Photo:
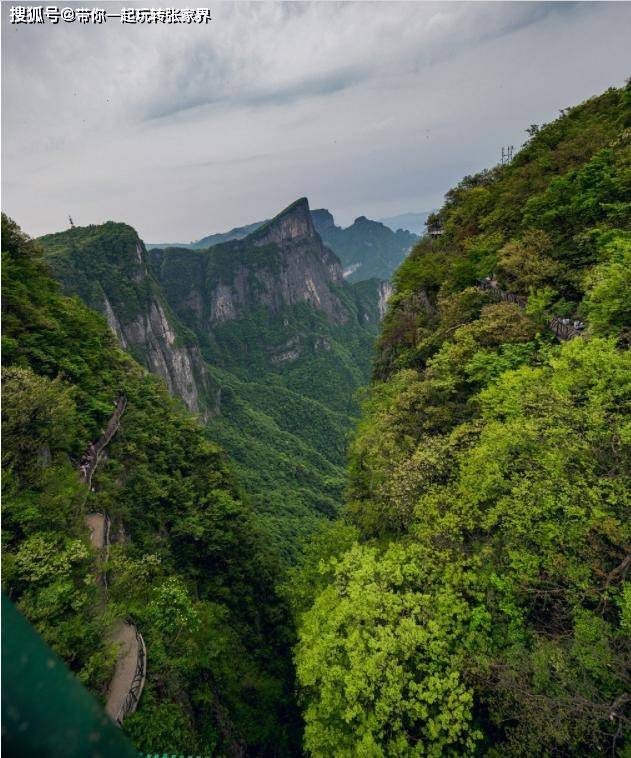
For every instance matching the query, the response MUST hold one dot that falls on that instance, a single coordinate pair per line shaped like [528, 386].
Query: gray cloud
[367, 108]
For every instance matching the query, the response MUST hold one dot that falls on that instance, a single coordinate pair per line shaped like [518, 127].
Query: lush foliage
[188, 561]
[278, 383]
[472, 601]
[475, 603]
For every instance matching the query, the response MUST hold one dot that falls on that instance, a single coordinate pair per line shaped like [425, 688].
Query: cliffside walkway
[131, 665]
[563, 329]
[130, 673]
[92, 455]
[99, 526]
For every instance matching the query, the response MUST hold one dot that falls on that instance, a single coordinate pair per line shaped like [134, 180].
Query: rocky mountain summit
[280, 265]
[367, 249]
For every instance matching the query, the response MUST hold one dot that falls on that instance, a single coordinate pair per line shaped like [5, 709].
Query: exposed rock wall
[111, 273]
[227, 282]
[383, 293]
[152, 335]
[260, 303]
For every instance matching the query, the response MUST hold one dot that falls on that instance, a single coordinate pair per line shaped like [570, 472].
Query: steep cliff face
[281, 265]
[367, 249]
[107, 267]
[262, 336]
[292, 224]
[372, 296]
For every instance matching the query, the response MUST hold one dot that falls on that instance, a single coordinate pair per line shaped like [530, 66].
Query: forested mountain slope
[473, 601]
[261, 336]
[188, 561]
[367, 249]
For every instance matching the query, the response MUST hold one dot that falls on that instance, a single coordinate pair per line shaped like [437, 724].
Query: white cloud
[367, 108]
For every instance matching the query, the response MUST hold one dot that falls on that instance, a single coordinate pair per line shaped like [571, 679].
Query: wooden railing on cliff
[563, 329]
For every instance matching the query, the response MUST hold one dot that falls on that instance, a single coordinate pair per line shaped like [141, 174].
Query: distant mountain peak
[366, 248]
[293, 223]
[411, 222]
[322, 217]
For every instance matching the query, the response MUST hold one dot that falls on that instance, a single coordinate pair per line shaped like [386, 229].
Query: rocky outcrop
[153, 336]
[113, 322]
[292, 224]
[384, 291]
[269, 301]
[230, 281]
[107, 267]
[372, 298]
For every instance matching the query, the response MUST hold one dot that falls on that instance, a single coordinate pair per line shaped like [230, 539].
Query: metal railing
[565, 329]
[138, 682]
[490, 286]
[90, 462]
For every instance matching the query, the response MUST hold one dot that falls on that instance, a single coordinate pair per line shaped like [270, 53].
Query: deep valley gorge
[262, 338]
[360, 491]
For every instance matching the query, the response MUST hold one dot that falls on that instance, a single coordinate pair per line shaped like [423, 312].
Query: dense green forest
[270, 366]
[472, 601]
[189, 563]
[287, 372]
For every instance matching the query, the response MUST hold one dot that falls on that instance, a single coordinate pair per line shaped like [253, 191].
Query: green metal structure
[46, 711]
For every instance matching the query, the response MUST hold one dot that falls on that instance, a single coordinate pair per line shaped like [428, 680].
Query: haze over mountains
[366, 248]
[262, 337]
[411, 222]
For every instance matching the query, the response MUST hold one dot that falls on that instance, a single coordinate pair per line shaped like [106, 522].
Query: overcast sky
[366, 108]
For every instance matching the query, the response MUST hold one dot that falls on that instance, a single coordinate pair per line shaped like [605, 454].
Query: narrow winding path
[96, 524]
[92, 456]
[123, 695]
[129, 675]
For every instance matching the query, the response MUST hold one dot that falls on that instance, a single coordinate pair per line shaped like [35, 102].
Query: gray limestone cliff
[107, 267]
[275, 298]
[280, 265]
